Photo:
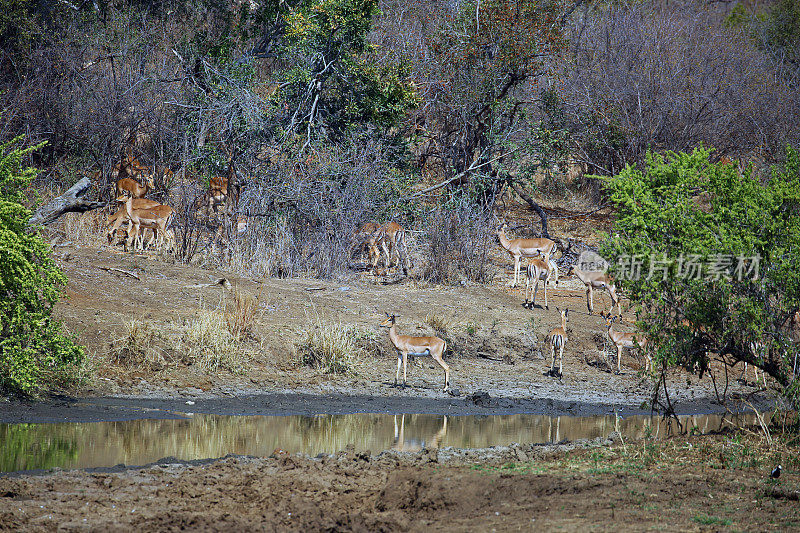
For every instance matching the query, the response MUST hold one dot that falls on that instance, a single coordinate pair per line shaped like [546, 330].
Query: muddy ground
[685, 484]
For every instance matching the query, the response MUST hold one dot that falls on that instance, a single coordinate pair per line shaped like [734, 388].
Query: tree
[32, 349]
[331, 83]
[709, 256]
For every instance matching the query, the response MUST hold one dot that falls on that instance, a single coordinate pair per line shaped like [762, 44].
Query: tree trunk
[536, 207]
[69, 202]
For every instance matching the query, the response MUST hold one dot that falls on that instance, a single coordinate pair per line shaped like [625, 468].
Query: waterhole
[138, 442]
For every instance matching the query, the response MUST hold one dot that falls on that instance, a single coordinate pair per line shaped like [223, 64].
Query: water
[83, 445]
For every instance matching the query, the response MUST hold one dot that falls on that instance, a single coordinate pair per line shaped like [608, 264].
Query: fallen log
[71, 201]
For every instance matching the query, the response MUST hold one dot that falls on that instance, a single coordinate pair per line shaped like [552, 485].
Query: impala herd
[138, 213]
[387, 241]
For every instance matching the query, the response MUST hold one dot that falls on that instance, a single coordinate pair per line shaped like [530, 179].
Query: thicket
[33, 351]
[708, 255]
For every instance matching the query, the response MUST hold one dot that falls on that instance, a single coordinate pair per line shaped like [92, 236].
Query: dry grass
[142, 344]
[240, 314]
[335, 348]
[438, 323]
[87, 229]
[210, 343]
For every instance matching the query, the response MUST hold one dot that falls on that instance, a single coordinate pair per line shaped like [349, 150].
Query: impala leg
[527, 287]
[619, 359]
[589, 299]
[516, 270]
[560, 359]
[545, 295]
[397, 375]
[446, 369]
[405, 366]
[535, 290]
[553, 355]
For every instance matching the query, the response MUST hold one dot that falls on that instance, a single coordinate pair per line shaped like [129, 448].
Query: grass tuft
[335, 348]
[240, 314]
[211, 344]
[138, 345]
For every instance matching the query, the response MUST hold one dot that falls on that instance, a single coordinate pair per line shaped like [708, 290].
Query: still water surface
[137, 442]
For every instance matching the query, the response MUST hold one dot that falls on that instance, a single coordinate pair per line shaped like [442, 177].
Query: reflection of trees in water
[205, 436]
[23, 448]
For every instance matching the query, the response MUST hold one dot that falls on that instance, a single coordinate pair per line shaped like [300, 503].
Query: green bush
[33, 352]
[709, 255]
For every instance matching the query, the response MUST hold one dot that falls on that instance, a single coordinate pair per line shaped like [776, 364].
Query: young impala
[416, 346]
[625, 340]
[540, 269]
[557, 338]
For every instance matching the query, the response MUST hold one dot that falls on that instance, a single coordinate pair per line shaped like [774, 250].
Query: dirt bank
[495, 344]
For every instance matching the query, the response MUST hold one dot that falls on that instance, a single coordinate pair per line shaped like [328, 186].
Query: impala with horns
[157, 218]
[415, 346]
[557, 338]
[519, 248]
[540, 269]
[597, 280]
[626, 340]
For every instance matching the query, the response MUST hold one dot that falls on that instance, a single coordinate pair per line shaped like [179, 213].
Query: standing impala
[540, 269]
[132, 188]
[121, 216]
[156, 218]
[625, 340]
[597, 280]
[557, 339]
[519, 248]
[416, 346]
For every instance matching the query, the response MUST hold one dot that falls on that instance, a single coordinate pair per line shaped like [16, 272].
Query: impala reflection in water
[82, 445]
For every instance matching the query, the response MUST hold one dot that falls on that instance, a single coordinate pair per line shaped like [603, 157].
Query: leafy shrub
[33, 352]
[716, 251]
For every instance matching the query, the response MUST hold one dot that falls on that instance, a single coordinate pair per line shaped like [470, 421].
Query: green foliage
[783, 25]
[332, 81]
[32, 350]
[743, 233]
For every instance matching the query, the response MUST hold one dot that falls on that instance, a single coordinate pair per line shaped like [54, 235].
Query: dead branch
[111, 269]
[71, 201]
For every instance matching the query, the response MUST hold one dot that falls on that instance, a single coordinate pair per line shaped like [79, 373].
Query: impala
[519, 248]
[557, 338]
[386, 238]
[130, 187]
[129, 166]
[121, 216]
[625, 340]
[157, 218]
[389, 238]
[540, 269]
[416, 346]
[597, 280]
